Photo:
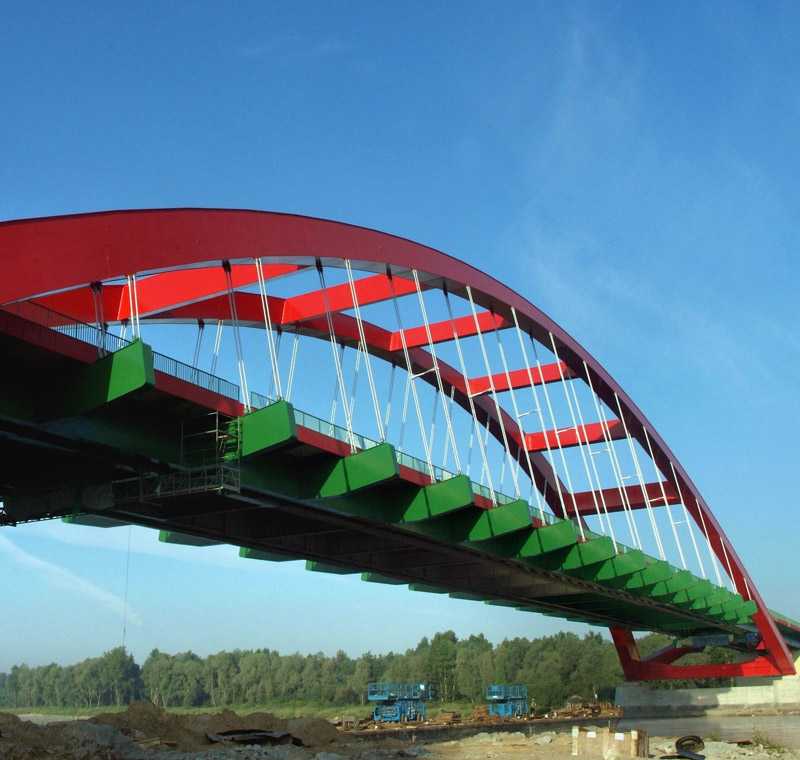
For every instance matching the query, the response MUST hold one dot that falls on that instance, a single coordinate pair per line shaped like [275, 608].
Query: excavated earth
[145, 732]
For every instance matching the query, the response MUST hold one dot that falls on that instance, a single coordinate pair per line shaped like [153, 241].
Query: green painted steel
[642, 582]
[467, 596]
[534, 542]
[427, 588]
[264, 429]
[578, 556]
[467, 523]
[378, 578]
[327, 567]
[184, 539]
[398, 502]
[93, 385]
[363, 469]
[248, 553]
[94, 521]
[439, 499]
[500, 521]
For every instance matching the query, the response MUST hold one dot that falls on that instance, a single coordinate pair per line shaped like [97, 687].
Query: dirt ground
[144, 732]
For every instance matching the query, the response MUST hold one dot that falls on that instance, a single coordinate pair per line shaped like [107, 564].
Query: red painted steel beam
[763, 663]
[369, 290]
[593, 432]
[520, 378]
[461, 327]
[672, 653]
[160, 291]
[629, 497]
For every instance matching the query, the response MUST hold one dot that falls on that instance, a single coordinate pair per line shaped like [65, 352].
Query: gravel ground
[144, 732]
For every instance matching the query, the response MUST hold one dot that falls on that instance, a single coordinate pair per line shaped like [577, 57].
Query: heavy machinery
[508, 700]
[398, 702]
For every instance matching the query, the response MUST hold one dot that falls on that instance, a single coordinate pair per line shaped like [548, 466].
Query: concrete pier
[778, 695]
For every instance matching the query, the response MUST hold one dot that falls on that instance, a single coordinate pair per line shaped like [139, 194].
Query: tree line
[552, 667]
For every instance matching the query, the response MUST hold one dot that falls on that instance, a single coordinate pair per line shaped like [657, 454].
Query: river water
[783, 730]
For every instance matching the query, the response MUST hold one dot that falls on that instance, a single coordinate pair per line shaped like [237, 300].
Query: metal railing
[107, 342]
[215, 478]
[189, 374]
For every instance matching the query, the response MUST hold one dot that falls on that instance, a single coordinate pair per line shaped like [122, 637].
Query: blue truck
[398, 702]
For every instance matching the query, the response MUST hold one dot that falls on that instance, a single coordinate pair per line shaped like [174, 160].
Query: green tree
[120, 675]
[442, 664]
[474, 665]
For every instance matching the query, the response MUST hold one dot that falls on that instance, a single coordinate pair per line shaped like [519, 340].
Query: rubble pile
[144, 732]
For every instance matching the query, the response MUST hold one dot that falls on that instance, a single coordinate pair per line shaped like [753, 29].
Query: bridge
[397, 413]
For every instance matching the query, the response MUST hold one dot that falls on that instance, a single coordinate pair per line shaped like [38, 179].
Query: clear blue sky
[631, 168]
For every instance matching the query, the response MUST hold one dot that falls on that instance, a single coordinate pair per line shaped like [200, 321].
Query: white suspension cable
[217, 344]
[493, 390]
[273, 353]
[439, 384]
[597, 494]
[367, 363]
[197, 345]
[292, 363]
[620, 478]
[278, 338]
[411, 376]
[389, 400]
[570, 489]
[614, 461]
[470, 400]
[711, 553]
[523, 449]
[581, 434]
[536, 410]
[688, 519]
[133, 301]
[648, 506]
[359, 352]
[542, 422]
[664, 497]
[472, 427]
[335, 400]
[486, 471]
[447, 437]
[339, 376]
[728, 564]
[226, 266]
[433, 416]
[98, 319]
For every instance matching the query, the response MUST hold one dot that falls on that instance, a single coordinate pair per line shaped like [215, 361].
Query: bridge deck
[105, 442]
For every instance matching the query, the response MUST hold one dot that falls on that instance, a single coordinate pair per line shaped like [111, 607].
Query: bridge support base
[769, 695]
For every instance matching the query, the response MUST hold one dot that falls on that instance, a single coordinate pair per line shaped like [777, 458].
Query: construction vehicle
[508, 700]
[398, 702]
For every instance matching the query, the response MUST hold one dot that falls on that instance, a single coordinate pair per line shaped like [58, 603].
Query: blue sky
[630, 168]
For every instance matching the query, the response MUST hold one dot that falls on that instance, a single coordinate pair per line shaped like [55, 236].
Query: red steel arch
[49, 259]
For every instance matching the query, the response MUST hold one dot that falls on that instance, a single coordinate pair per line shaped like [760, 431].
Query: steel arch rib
[42, 256]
